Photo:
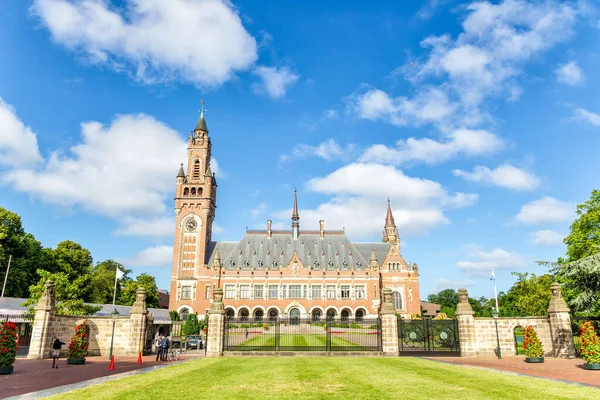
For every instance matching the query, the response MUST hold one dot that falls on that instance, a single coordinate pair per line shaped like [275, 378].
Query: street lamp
[114, 316]
[495, 315]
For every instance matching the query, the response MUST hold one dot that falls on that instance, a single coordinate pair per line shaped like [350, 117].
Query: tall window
[258, 292]
[244, 291]
[207, 292]
[316, 291]
[196, 174]
[230, 291]
[284, 291]
[295, 291]
[186, 292]
[345, 291]
[183, 314]
[397, 297]
[331, 292]
[273, 291]
[359, 292]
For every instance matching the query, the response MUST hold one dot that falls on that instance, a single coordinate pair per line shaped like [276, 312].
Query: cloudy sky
[479, 120]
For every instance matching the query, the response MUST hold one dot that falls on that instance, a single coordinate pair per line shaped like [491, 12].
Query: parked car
[191, 342]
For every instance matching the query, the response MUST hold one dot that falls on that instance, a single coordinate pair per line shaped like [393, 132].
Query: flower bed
[589, 345]
[532, 346]
[78, 347]
[8, 346]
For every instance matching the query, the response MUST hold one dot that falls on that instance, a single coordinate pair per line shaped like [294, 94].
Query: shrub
[265, 326]
[78, 347]
[8, 343]
[355, 326]
[589, 343]
[191, 325]
[531, 344]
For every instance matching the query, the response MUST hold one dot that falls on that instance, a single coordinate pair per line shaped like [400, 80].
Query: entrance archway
[273, 314]
[331, 313]
[316, 314]
[258, 314]
[294, 316]
[244, 313]
[345, 314]
[359, 314]
[229, 313]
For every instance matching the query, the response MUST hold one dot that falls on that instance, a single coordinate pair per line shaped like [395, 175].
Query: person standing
[56, 346]
[159, 347]
[164, 344]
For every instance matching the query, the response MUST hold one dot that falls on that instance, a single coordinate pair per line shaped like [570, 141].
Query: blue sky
[479, 120]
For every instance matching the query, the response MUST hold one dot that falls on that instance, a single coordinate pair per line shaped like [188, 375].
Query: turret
[390, 233]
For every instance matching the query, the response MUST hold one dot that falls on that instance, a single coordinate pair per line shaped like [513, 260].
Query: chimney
[321, 231]
[269, 228]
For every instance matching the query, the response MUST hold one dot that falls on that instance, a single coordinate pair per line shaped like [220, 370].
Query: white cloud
[18, 144]
[545, 210]
[154, 227]
[480, 263]
[546, 238]
[360, 191]
[569, 74]
[158, 256]
[108, 172]
[505, 175]
[259, 210]
[328, 150]
[581, 114]
[274, 81]
[444, 283]
[331, 114]
[217, 229]
[459, 142]
[485, 60]
[203, 42]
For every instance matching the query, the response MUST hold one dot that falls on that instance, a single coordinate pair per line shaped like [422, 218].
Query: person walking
[56, 346]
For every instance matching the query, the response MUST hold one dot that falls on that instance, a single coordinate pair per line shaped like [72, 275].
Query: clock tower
[195, 203]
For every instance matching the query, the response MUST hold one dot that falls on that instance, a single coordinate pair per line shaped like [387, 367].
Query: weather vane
[202, 109]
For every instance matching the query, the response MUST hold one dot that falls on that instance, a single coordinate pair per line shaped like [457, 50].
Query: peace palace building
[270, 273]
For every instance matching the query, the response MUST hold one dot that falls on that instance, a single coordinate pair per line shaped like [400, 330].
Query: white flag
[119, 273]
[493, 277]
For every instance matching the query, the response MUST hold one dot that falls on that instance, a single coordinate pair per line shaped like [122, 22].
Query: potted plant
[78, 347]
[589, 346]
[8, 347]
[532, 346]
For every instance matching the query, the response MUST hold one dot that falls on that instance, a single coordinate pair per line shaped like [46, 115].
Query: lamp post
[114, 316]
[495, 315]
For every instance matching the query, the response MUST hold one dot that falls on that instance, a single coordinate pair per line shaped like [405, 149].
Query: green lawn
[328, 378]
[298, 340]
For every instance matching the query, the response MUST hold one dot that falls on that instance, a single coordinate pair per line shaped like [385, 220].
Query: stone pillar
[216, 316]
[43, 324]
[389, 325]
[466, 325]
[560, 325]
[137, 324]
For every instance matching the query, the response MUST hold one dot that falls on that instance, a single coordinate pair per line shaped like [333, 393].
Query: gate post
[560, 325]
[214, 337]
[41, 335]
[466, 325]
[389, 325]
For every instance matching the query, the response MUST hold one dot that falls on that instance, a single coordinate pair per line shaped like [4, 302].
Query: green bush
[191, 325]
[355, 326]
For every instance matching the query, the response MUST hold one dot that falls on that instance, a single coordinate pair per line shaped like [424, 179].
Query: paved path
[564, 370]
[35, 375]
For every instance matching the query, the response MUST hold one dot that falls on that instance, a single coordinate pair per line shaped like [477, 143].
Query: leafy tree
[27, 255]
[447, 298]
[191, 325]
[71, 258]
[146, 281]
[68, 292]
[174, 315]
[584, 239]
[529, 296]
[103, 281]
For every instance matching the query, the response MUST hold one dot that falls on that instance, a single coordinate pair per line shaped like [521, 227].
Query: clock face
[191, 224]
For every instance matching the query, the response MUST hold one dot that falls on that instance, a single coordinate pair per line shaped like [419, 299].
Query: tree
[27, 255]
[146, 281]
[584, 239]
[68, 292]
[71, 258]
[103, 281]
[191, 325]
[529, 296]
[447, 298]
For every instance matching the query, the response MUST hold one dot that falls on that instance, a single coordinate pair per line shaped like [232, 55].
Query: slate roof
[258, 251]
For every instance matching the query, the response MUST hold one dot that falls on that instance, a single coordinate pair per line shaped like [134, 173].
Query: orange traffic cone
[111, 367]
[140, 362]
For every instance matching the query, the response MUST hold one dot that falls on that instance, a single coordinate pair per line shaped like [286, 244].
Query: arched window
[196, 174]
[397, 297]
[331, 313]
[186, 191]
[345, 314]
[258, 314]
[316, 314]
[244, 313]
[359, 314]
[273, 314]
[183, 314]
[199, 191]
[193, 192]
[229, 313]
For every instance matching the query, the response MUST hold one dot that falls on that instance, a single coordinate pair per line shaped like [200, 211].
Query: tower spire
[295, 218]
[389, 218]
[389, 233]
[201, 125]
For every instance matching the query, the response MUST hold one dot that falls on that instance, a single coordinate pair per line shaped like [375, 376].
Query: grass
[328, 378]
[296, 341]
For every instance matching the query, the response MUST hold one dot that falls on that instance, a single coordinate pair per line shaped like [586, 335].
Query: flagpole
[6, 276]
[116, 277]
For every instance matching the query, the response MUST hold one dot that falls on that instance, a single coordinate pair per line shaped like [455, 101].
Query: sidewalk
[560, 369]
[34, 375]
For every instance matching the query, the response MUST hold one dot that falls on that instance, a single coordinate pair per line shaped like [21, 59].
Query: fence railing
[300, 334]
[428, 336]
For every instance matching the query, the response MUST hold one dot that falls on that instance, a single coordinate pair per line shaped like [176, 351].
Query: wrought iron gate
[428, 337]
[300, 334]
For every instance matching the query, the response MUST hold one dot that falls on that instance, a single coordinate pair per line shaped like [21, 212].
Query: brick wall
[484, 334]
